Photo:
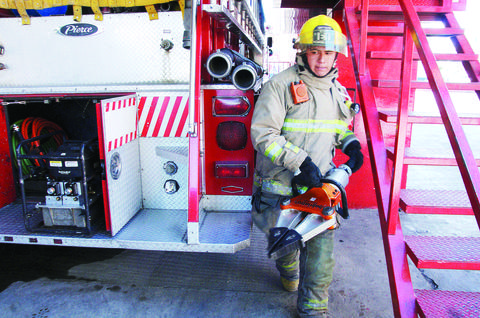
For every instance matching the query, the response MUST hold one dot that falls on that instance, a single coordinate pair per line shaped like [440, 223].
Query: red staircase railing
[367, 24]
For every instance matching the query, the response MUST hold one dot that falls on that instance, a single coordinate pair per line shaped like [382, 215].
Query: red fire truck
[125, 124]
[118, 133]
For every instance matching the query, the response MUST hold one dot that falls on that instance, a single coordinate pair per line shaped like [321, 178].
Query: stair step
[398, 31]
[382, 83]
[453, 202]
[390, 116]
[379, 55]
[382, 55]
[444, 252]
[445, 303]
[426, 157]
[386, 8]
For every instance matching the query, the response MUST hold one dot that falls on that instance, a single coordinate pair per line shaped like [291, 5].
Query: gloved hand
[310, 175]
[353, 150]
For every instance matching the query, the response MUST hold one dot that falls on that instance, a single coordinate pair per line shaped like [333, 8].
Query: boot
[289, 285]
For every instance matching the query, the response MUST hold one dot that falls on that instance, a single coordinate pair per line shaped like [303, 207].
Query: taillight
[230, 106]
[225, 169]
[232, 135]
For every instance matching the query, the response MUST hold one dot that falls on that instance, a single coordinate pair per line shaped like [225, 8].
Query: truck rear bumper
[149, 229]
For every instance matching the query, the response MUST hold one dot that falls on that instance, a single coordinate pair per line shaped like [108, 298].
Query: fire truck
[125, 124]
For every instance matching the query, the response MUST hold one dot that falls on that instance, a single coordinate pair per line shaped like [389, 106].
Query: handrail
[362, 62]
[401, 134]
[461, 148]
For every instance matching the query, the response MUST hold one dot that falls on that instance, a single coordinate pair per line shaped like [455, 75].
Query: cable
[32, 127]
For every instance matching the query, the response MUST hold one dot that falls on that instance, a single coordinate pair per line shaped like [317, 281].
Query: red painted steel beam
[362, 61]
[401, 287]
[453, 126]
[435, 210]
[401, 133]
[194, 176]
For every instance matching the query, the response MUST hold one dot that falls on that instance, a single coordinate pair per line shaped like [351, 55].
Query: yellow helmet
[322, 31]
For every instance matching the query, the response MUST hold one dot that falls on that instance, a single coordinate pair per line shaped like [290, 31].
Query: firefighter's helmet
[322, 31]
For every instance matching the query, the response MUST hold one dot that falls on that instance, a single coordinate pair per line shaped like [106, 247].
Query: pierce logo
[78, 29]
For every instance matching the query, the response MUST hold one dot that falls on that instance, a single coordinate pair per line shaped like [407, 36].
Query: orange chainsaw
[306, 215]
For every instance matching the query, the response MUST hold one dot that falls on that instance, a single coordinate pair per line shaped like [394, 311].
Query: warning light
[230, 106]
[232, 135]
[228, 169]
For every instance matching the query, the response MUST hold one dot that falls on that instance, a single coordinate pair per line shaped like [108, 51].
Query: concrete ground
[81, 282]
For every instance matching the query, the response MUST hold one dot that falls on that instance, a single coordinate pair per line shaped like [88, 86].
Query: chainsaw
[306, 215]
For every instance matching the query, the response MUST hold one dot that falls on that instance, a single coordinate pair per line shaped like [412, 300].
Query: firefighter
[295, 132]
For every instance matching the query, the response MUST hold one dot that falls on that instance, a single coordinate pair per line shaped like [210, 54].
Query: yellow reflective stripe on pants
[317, 304]
[291, 267]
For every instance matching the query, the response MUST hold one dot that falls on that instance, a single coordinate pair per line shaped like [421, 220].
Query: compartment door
[120, 150]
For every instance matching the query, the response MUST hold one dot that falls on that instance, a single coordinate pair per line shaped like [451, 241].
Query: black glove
[310, 175]
[353, 150]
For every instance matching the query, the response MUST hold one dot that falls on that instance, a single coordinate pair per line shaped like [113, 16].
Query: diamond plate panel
[125, 50]
[160, 230]
[445, 249]
[443, 303]
[124, 193]
[221, 227]
[156, 226]
[154, 153]
[226, 203]
[435, 198]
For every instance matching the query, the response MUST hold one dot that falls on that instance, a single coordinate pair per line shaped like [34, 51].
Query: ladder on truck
[391, 43]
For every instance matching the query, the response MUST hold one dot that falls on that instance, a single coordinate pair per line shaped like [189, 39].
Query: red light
[232, 135]
[230, 106]
[226, 169]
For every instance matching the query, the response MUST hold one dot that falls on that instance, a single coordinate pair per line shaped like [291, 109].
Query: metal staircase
[391, 45]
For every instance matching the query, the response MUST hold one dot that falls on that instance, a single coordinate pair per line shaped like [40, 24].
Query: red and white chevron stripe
[120, 124]
[118, 142]
[113, 104]
[163, 116]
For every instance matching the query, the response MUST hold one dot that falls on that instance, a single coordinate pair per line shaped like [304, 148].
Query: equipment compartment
[58, 170]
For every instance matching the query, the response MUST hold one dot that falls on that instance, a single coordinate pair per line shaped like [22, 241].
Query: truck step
[416, 201]
[444, 303]
[390, 116]
[444, 252]
[426, 158]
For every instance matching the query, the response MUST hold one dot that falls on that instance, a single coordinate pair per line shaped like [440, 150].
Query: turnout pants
[313, 264]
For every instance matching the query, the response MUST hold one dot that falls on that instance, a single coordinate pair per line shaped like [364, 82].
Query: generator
[70, 178]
